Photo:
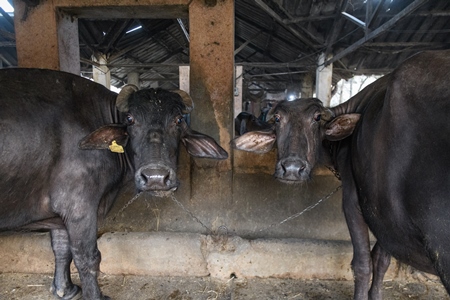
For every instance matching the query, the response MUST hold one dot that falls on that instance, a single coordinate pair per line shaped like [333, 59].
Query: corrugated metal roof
[277, 41]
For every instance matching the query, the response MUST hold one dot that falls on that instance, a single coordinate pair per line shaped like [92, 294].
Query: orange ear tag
[114, 147]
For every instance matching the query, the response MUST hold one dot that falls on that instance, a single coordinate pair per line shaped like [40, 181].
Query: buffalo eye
[179, 120]
[129, 119]
[277, 118]
[317, 117]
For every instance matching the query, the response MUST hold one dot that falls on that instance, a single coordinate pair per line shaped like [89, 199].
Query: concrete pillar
[238, 91]
[211, 25]
[184, 78]
[154, 84]
[133, 78]
[307, 89]
[101, 74]
[46, 38]
[324, 75]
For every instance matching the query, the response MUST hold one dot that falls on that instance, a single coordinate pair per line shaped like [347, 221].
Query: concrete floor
[36, 287]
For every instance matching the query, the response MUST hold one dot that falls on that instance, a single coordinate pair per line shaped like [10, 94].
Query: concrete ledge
[153, 253]
[190, 254]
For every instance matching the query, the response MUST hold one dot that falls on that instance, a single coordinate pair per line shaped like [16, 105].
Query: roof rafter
[413, 6]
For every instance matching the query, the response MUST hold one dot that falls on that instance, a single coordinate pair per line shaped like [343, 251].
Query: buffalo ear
[201, 145]
[255, 141]
[113, 137]
[341, 127]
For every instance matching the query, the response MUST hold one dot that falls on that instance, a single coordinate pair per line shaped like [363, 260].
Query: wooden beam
[336, 28]
[125, 9]
[241, 47]
[364, 71]
[297, 34]
[129, 48]
[435, 13]
[9, 35]
[375, 14]
[308, 19]
[113, 35]
[383, 28]
[8, 18]
[7, 44]
[407, 44]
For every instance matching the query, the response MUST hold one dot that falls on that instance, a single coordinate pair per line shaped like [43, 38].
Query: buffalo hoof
[73, 294]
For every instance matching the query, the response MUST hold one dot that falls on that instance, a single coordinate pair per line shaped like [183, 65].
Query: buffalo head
[152, 127]
[299, 129]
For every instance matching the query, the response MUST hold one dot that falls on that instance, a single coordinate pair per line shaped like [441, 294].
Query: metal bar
[413, 6]
[354, 19]
[183, 28]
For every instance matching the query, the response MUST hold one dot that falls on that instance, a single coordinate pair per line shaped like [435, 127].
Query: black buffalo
[245, 122]
[57, 173]
[391, 145]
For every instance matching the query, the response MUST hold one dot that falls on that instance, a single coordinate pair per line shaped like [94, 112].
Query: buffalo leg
[359, 234]
[62, 285]
[381, 261]
[438, 252]
[83, 244]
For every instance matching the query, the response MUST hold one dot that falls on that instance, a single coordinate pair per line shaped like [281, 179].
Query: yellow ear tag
[114, 147]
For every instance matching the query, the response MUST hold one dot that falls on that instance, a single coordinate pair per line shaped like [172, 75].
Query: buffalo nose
[155, 178]
[292, 169]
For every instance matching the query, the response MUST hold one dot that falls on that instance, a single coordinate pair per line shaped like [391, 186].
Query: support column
[211, 26]
[307, 90]
[101, 74]
[238, 90]
[324, 76]
[46, 38]
[133, 78]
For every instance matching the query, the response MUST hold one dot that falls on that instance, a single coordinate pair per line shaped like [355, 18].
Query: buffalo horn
[270, 113]
[122, 98]
[187, 100]
[327, 115]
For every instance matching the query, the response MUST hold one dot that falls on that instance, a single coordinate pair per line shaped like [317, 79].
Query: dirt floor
[36, 287]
